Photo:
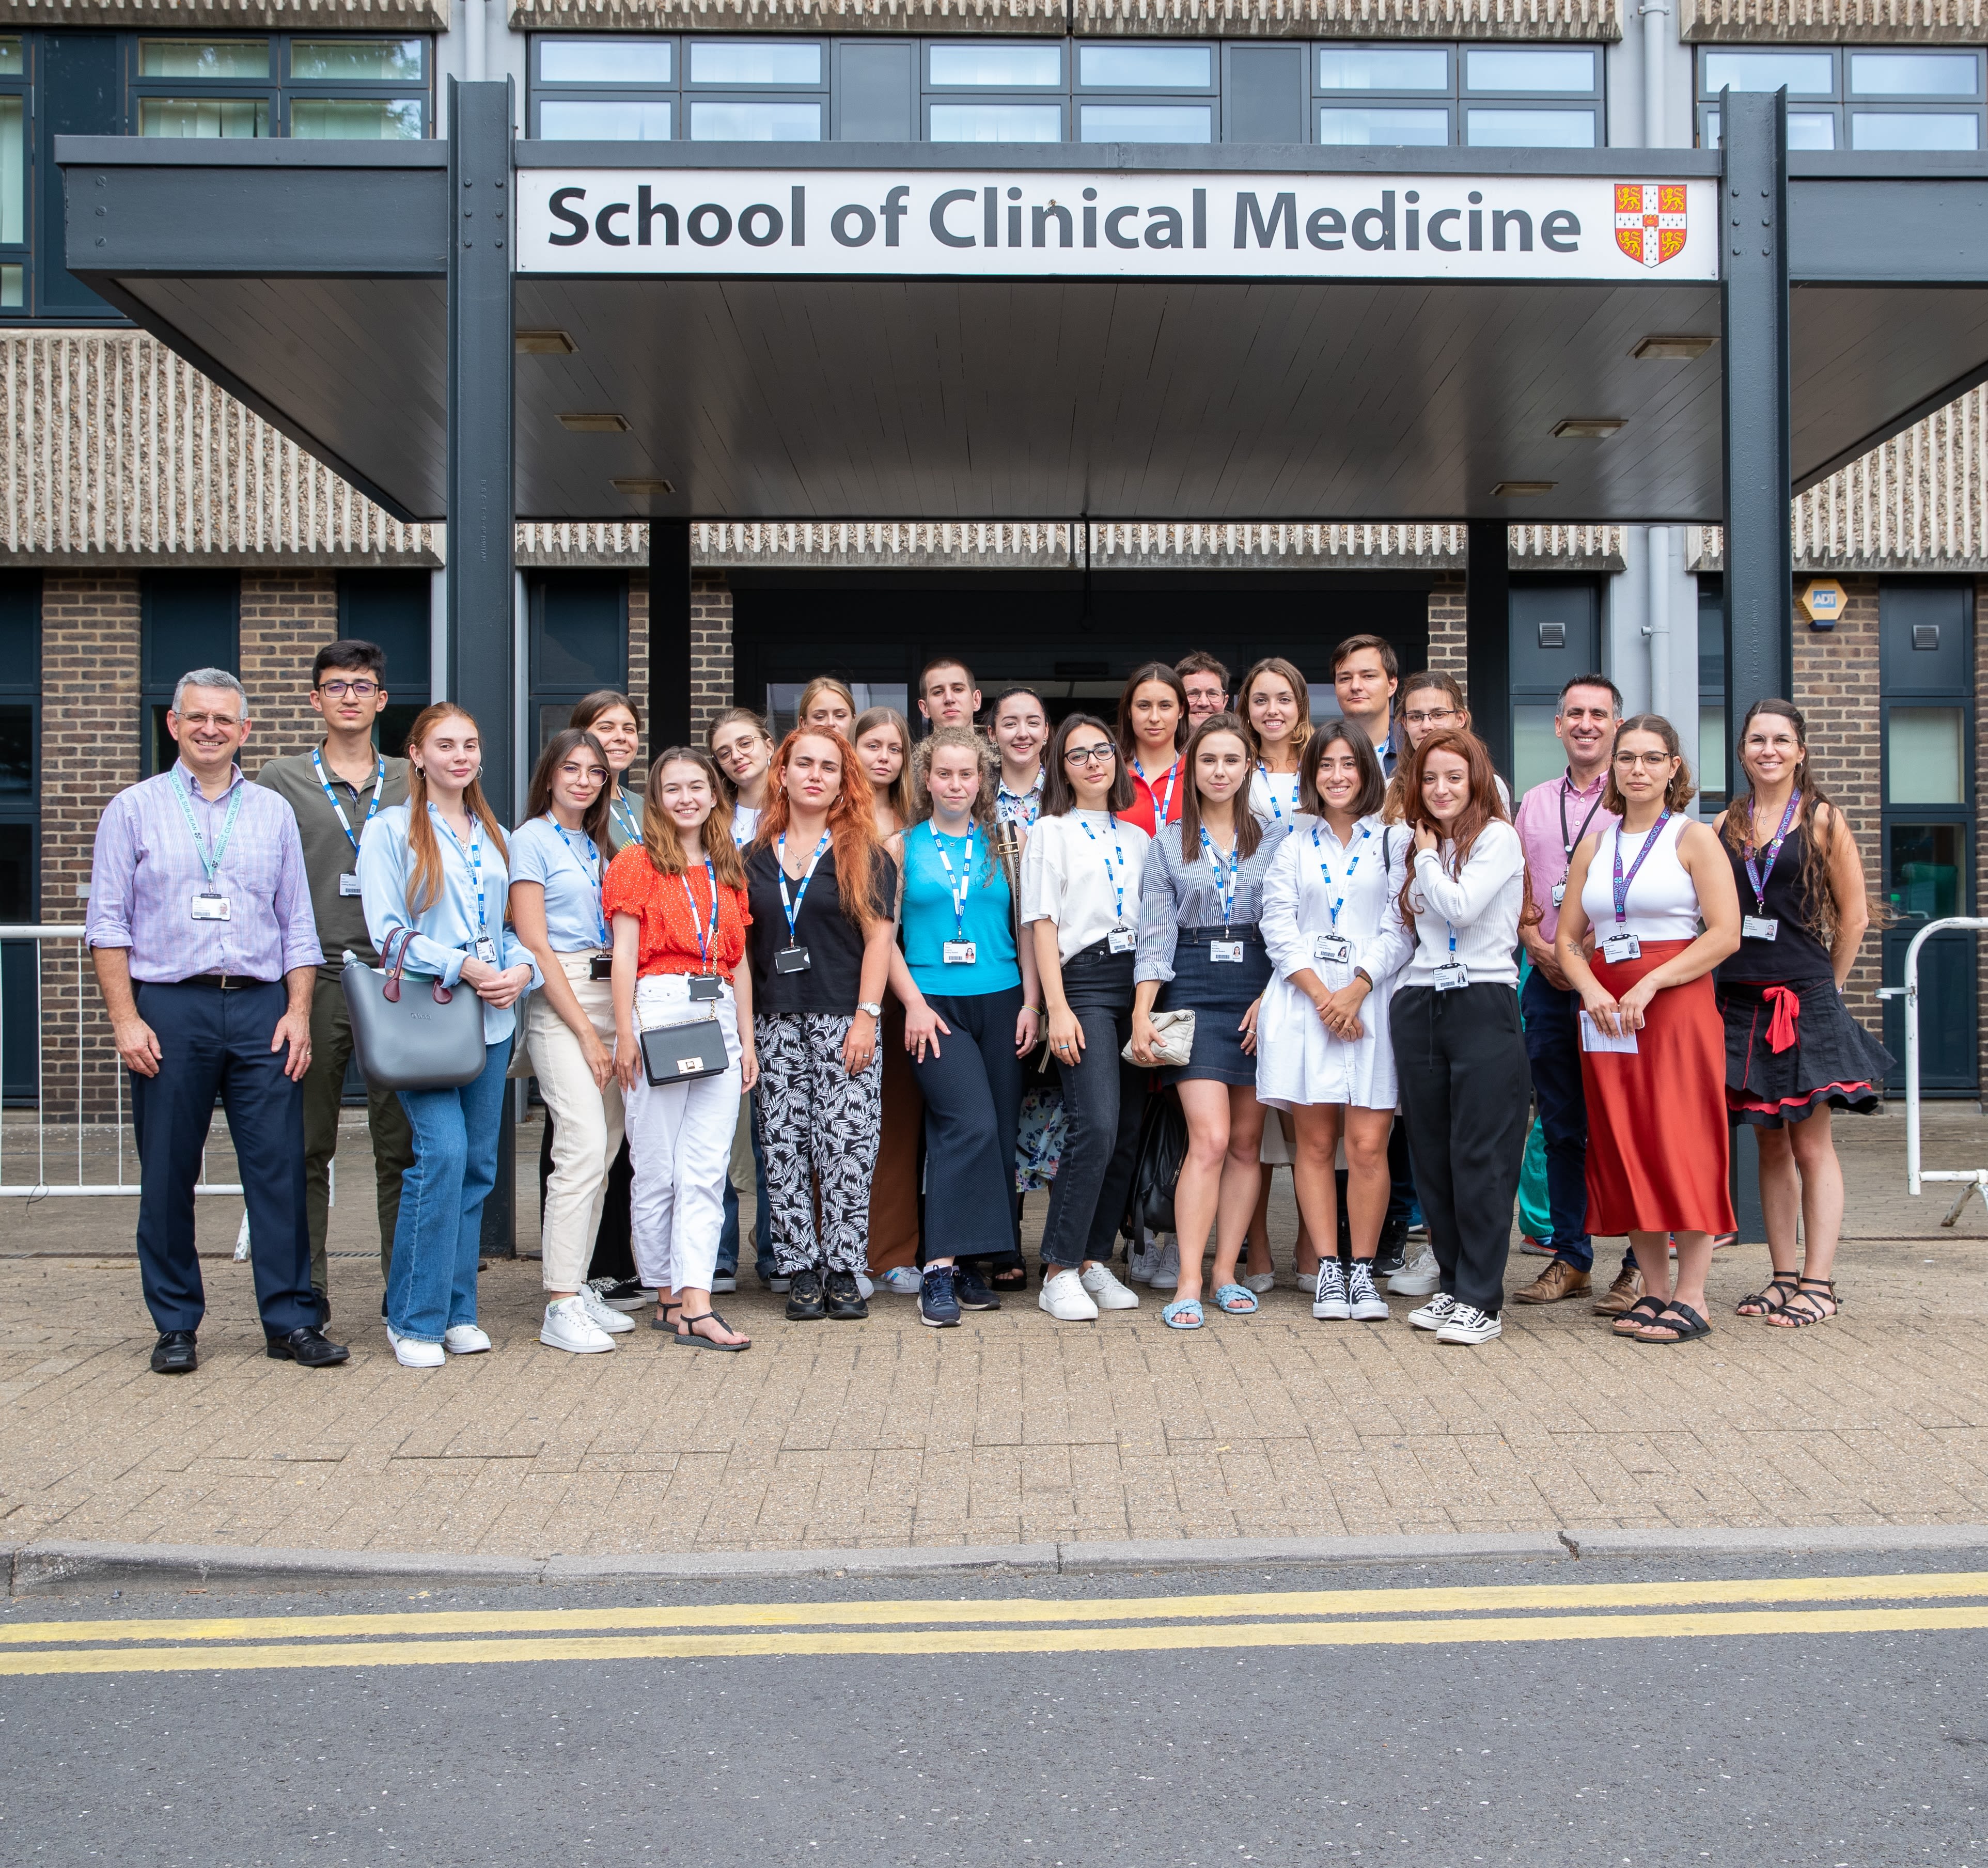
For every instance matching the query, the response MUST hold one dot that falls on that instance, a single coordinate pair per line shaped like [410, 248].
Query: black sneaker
[846, 1303]
[971, 1287]
[938, 1305]
[804, 1298]
[623, 1293]
[1393, 1255]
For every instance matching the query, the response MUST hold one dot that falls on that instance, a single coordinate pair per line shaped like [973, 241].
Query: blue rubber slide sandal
[1236, 1300]
[1182, 1313]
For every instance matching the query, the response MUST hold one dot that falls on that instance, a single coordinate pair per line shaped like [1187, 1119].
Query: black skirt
[1832, 1060]
[1217, 992]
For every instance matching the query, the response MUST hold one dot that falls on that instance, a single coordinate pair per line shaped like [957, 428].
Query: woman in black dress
[1793, 1052]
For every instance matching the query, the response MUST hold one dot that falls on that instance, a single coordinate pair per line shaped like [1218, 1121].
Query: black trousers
[1104, 1097]
[214, 1043]
[972, 1089]
[1460, 1058]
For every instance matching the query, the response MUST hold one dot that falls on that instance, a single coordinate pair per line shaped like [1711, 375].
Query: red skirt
[1656, 1146]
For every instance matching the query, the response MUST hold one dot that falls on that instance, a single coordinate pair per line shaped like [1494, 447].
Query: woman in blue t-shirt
[972, 1014]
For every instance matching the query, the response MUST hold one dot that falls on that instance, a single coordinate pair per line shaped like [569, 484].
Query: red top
[671, 922]
[1151, 795]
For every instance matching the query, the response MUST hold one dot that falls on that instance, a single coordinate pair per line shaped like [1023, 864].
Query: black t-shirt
[831, 982]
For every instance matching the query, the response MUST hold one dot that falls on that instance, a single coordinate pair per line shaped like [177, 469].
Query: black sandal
[1806, 1288]
[1009, 1277]
[663, 1322]
[1633, 1318]
[1686, 1325]
[1763, 1302]
[686, 1333]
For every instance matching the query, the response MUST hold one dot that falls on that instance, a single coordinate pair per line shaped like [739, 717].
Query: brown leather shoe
[1627, 1287]
[1560, 1279]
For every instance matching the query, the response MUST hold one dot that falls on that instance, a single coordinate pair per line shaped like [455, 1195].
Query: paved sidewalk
[1008, 1430]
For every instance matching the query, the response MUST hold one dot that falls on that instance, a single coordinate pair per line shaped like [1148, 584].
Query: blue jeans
[431, 1286]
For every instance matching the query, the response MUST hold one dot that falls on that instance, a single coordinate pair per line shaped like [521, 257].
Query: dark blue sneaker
[973, 1291]
[937, 1303]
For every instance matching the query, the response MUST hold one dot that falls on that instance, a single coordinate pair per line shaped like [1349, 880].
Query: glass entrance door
[1926, 879]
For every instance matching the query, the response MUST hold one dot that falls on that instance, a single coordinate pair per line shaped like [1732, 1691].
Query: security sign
[1650, 221]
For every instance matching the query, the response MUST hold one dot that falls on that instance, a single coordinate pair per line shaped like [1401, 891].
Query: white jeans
[680, 1147]
[587, 1123]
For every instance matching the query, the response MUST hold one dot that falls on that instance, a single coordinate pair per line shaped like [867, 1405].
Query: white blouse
[1083, 871]
[1480, 908]
[1273, 796]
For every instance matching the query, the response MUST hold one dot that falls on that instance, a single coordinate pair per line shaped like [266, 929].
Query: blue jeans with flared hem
[431, 1286]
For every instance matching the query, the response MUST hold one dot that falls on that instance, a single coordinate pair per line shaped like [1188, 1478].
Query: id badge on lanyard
[1452, 973]
[958, 952]
[1618, 947]
[1332, 947]
[793, 957]
[1120, 940]
[1225, 950]
[1760, 927]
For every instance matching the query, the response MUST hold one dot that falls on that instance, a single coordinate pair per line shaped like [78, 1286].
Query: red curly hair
[852, 823]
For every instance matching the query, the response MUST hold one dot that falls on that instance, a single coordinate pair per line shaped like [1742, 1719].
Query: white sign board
[867, 224]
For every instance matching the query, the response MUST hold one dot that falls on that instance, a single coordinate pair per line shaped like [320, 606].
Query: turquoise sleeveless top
[929, 921]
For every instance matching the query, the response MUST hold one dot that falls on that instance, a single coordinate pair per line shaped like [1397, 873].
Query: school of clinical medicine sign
[865, 223]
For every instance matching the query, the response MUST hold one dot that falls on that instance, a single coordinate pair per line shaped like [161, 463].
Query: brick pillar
[1448, 647]
[710, 647]
[287, 615]
[90, 737]
[1836, 687]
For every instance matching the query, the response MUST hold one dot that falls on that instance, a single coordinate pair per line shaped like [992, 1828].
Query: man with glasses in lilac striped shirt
[206, 949]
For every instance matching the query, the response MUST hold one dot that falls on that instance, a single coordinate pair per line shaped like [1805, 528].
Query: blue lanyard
[593, 875]
[1452, 941]
[1622, 882]
[623, 815]
[1163, 806]
[1276, 809]
[1115, 876]
[344, 823]
[957, 891]
[473, 855]
[1225, 887]
[1325, 870]
[707, 937]
[210, 864]
[1759, 876]
[794, 907]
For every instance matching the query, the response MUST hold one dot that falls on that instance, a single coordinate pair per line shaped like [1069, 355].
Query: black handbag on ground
[682, 1053]
[1162, 1149]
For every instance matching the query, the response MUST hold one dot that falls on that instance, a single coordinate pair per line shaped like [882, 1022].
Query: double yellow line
[1308, 1618]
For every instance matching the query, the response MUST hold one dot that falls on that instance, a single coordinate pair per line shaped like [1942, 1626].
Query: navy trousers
[217, 1044]
[1553, 1048]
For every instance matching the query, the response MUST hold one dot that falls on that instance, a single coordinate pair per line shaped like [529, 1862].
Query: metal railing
[1975, 1178]
[99, 1132]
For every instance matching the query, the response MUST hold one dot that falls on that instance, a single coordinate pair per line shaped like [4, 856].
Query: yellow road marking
[1030, 1609]
[994, 1640]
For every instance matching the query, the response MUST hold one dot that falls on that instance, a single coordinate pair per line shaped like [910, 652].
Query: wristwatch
[875, 1011]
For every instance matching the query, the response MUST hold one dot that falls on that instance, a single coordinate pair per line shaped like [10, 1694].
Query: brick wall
[1836, 687]
[710, 647]
[1448, 650]
[287, 615]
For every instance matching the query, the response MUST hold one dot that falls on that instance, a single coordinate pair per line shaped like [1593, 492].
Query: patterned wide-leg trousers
[819, 1130]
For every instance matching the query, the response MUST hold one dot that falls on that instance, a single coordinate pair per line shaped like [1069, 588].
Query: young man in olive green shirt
[336, 789]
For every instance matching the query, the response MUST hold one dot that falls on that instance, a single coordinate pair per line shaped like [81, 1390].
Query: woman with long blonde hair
[435, 874]
[827, 702]
[882, 738]
[1274, 704]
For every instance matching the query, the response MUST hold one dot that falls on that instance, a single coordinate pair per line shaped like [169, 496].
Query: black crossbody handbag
[682, 1053]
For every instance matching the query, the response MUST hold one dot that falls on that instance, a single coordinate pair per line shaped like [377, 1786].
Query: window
[1497, 97]
[394, 609]
[750, 69]
[1855, 98]
[579, 642]
[1555, 635]
[13, 174]
[1714, 736]
[20, 828]
[186, 619]
[225, 86]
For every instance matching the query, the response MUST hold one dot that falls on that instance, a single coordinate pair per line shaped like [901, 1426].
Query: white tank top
[1663, 902]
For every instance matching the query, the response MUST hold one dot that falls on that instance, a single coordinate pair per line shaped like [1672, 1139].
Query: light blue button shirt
[445, 931]
[568, 870]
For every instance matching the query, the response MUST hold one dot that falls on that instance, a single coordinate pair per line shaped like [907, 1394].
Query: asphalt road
[1171, 1721]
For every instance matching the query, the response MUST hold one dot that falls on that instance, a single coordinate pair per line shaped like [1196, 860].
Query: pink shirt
[1550, 847]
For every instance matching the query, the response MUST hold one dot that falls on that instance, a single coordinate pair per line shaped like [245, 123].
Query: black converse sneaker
[1366, 1304]
[1328, 1303]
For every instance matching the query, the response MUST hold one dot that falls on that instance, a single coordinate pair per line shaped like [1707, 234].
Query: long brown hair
[1249, 832]
[558, 749]
[1813, 892]
[902, 795]
[424, 886]
[1484, 807]
[1301, 729]
[1373, 786]
[1678, 793]
[1158, 671]
[852, 824]
[1059, 794]
[662, 842]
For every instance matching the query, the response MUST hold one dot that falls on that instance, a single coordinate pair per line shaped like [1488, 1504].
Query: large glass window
[13, 174]
[579, 643]
[228, 86]
[394, 609]
[188, 620]
[1507, 97]
[1855, 98]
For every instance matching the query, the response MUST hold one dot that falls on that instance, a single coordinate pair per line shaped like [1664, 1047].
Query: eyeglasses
[1432, 718]
[227, 722]
[359, 690]
[1090, 755]
[1653, 760]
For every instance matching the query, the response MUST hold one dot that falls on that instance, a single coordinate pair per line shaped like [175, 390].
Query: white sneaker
[1308, 1282]
[1434, 1314]
[1065, 1298]
[415, 1355]
[1328, 1303]
[1420, 1277]
[1368, 1305]
[902, 1281]
[1166, 1266]
[864, 1288]
[1144, 1259]
[1261, 1281]
[466, 1339]
[569, 1326]
[611, 1321]
[1466, 1323]
[724, 1283]
[1106, 1291]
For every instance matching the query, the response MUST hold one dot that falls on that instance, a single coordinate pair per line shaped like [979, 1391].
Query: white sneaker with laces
[568, 1325]
[902, 1281]
[1166, 1266]
[464, 1340]
[1466, 1323]
[415, 1355]
[1141, 1262]
[610, 1321]
[1261, 1281]
[1328, 1303]
[1434, 1314]
[1368, 1305]
[1420, 1277]
[1063, 1297]
[1106, 1292]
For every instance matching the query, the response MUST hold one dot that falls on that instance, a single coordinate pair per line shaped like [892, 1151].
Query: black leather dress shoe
[174, 1354]
[309, 1346]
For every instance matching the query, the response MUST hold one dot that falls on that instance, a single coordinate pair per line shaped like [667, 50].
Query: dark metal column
[669, 633]
[1488, 639]
[481, 656]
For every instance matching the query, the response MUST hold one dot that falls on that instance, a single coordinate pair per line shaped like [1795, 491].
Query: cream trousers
[587, 1123]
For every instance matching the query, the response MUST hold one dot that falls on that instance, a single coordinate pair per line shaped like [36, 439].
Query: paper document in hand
[1593, 1038]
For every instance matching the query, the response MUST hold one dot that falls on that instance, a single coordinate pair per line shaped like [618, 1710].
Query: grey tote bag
[427, 1036]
